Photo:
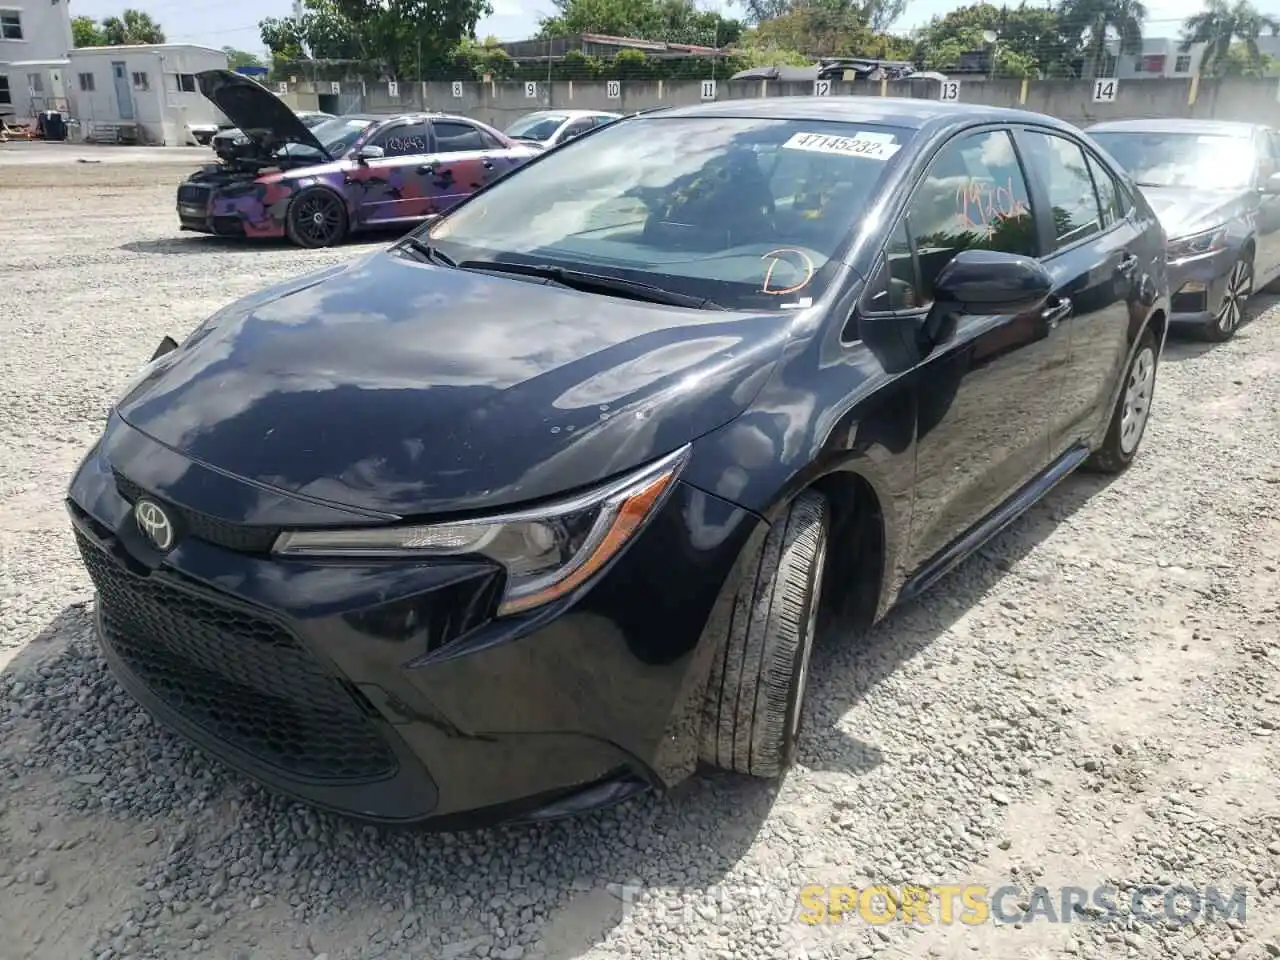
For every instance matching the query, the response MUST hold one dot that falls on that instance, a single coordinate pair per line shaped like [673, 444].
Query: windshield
[748, 213]
[536, 126]
[337, 134]
[313, 120]
[1203, 161]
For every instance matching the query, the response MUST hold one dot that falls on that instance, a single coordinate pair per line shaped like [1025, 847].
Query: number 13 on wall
[949, 90]
[1104, 90]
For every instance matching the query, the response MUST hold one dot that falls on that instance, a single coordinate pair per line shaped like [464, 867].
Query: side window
[974, 196]
[1108, 193]
[454, 136]
[1267, 155]
[577, 129]
[1061, 164]
[404, 140]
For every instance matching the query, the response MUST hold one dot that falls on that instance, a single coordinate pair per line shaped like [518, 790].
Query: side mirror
[1271, 185]
[987, 281]
[370, 152]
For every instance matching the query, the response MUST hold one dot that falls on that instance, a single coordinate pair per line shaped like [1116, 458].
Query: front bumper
[201, 210]
[1198, 285]
[384, 690]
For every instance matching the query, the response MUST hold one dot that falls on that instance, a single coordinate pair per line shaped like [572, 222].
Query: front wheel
[1235, 300]
[317, 218]
[1133, 409]
[755, 694]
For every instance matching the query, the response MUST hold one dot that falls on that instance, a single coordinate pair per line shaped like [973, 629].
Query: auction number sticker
[873, 146]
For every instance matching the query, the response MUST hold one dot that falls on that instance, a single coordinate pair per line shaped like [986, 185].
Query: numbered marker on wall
[457, 89]
[531, 90]
[708, 89]
[282, 88]
[1104, 90]
[821, 88]
[949, 90]
[335, 87]
[393, 88]
[613, 89]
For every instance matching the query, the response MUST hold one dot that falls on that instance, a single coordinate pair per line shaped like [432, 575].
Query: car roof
[1175, 125]
[895, 111]
[416, 115]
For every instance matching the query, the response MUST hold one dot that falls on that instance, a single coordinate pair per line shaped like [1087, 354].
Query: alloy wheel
[318, 219]
[1234, 298]
[1137, 399]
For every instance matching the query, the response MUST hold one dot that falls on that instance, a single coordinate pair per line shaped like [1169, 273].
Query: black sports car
[537, 507]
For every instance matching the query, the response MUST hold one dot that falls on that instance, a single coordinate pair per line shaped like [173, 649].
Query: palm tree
[1221, 23]
[1096, 19]
[131, 27]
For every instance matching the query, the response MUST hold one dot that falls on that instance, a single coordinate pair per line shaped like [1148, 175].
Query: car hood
[393, 386]
[259, 114]
[1184, 211]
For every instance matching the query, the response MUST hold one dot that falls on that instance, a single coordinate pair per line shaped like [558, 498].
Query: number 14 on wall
[1104, 90]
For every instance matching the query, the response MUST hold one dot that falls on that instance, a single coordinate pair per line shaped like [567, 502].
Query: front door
[985, 397]
[393, 189]
[1096, 261]
[124, 95]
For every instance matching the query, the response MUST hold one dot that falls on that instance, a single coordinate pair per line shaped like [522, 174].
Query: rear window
[540, 126]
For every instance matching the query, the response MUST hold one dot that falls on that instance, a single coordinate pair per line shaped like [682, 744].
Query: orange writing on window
[787, 256]
[982, 204]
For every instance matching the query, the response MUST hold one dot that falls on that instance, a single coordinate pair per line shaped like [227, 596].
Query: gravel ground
[1093, 699]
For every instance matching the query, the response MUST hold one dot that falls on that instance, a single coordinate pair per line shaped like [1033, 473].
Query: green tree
[828, 31]
[85, 32]
[674, 21]
[240, 58]
[1093, 22]
[1030, 39]
[1218, 26]
[131, 27]
[401, 34]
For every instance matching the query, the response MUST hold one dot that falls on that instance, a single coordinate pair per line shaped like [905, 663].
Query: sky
[234, 23]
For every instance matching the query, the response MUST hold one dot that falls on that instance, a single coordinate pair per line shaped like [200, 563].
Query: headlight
[547, 551]
[241, 140]
[1198, 244]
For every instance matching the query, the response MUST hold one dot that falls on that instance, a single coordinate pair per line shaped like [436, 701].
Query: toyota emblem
[154, 524]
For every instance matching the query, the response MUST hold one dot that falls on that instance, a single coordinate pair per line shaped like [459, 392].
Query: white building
[149, 91]
[1161, 58]
[31, 32]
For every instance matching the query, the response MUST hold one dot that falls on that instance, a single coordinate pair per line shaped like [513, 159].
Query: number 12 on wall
[1104, 90]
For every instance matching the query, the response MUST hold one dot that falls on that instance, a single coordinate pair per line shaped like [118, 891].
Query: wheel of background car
[1132, 411]
[317, 218]
[755, 693]
[1235, 301]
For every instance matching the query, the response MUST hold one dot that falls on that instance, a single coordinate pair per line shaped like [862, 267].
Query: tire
[1124, 434]
[755, 692]
[316, 218]
[1235, 301]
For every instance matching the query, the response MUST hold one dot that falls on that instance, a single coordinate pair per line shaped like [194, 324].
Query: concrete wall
[501, 103]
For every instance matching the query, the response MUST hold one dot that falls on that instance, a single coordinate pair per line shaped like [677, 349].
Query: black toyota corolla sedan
[536, 508]
[1215, 185]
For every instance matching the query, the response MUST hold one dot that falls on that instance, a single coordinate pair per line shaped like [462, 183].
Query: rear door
[985, 397]
[390, 187]
[1097, 263]
[1267, 257]
[466, 157]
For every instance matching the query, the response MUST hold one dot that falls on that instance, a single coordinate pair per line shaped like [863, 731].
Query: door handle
[1128, 265]
[488, 164]
[1056, 312]
[427, 168]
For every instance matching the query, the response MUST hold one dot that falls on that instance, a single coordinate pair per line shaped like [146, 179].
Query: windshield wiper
[428, 252]
[597, 282]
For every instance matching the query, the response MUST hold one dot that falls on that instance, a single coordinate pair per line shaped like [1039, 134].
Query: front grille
[242, 678]
[232, 536]
[193, 193]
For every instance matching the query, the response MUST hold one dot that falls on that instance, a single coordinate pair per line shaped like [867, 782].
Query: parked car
[537, 507]
[315, 185]
[550, 128]
[233, 142]
[1216, 187]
